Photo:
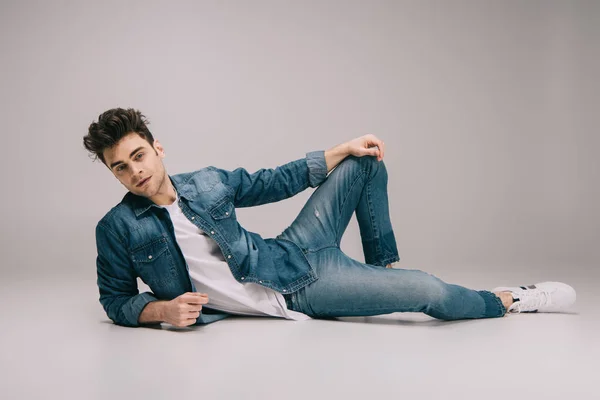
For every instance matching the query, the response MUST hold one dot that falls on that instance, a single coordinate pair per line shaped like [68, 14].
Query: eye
[138, 156]
[119, 168]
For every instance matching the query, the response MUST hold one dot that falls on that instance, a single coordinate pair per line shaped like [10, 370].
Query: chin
[143, 193]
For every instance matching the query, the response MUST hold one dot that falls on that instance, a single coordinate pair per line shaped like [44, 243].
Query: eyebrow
[130, 155]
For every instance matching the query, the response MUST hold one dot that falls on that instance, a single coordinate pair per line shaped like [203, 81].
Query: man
[181, 236]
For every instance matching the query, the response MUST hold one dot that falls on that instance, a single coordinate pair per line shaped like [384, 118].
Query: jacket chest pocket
[223, 213]
[153, 262]
[222, 210]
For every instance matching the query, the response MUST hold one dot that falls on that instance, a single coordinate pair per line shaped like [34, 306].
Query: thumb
[373, 151]
[365, 151]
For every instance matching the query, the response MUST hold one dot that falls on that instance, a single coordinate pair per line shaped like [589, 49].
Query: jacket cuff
[133, 308]
[317, 167]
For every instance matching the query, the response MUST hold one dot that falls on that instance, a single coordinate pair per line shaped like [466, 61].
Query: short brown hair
[112, 126]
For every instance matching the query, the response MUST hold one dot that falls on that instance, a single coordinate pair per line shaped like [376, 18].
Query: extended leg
[347, 287]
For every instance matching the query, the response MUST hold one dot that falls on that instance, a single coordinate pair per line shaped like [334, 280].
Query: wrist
[341, 150]
[153, 312]
[336, 154]
[160, 310]
[345, 149]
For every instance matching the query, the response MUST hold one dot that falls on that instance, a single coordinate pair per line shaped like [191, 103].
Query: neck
[166, 195]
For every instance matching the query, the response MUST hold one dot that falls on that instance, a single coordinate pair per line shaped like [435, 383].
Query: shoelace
[530, 300]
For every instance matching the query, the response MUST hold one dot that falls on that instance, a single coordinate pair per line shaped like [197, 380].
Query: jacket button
[193, 217]
[284, 290]
[150, 257]
[212, 232]
[259, 281]
[226, 213]
[243, 278]
[229, 256]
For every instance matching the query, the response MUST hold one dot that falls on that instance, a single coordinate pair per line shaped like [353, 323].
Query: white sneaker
[541, 297]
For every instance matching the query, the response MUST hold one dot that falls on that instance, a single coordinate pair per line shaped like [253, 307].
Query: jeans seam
[337, 228]
[374, 227]
[330, 246]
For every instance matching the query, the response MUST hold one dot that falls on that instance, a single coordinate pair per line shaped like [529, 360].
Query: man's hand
[358, 147]
[365, 146]
[183, 310]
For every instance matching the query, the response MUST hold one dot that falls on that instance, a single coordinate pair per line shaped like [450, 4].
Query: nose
[139, 178]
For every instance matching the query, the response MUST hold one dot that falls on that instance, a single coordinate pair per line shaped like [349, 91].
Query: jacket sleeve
[269, 185]
[117, 280]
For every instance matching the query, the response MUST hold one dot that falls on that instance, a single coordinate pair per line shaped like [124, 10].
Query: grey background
[489, 111]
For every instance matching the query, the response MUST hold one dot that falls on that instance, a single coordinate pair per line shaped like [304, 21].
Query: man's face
[132, 160]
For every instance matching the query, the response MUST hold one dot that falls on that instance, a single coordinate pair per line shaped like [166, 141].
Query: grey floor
[57, 343]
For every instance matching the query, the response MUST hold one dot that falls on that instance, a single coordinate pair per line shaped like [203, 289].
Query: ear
[159, 148]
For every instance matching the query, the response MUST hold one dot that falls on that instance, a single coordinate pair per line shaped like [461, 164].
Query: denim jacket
[136, 237]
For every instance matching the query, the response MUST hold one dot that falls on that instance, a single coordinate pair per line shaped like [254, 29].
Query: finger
[375, 146]
[197, 300]
[372, 151]
[189, 299]
[193, 315]
[192, 296]
[379, 152]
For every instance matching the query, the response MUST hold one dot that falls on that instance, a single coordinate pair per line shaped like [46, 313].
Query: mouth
[142, 183]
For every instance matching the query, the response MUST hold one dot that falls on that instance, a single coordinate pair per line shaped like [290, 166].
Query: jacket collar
[141, 204]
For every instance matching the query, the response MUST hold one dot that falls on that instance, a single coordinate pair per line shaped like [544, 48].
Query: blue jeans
[347, 287]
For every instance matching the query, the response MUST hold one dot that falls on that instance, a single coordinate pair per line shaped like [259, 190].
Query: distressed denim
[136, 237]
[347, 287]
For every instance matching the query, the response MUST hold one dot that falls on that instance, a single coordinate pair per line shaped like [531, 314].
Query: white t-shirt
[211, 274]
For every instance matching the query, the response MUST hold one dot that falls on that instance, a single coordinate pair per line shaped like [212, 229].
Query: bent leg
[357, 184]
[347, 287]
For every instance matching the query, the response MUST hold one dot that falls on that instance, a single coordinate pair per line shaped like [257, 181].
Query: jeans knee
[439, 294]
[435, 290]
[367, 164]
[372, 167]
